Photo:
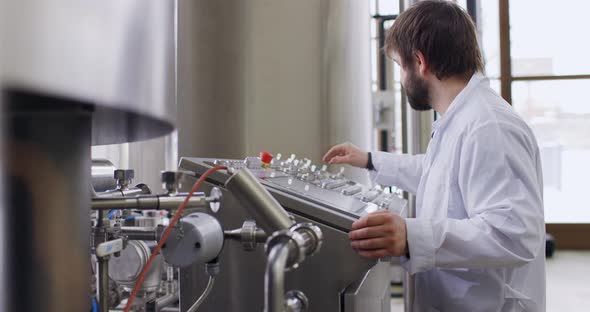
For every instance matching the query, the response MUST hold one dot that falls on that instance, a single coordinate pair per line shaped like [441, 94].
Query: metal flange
[295, 243]
[312, 230]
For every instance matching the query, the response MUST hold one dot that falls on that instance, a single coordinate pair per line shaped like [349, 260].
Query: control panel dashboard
[306, 188]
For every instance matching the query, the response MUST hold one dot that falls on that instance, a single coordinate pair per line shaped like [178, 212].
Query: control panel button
[351, 190]
[334, 184]
[369, 196]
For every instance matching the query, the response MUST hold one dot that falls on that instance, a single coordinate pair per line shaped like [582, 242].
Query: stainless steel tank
[116, 55]
[74, 73]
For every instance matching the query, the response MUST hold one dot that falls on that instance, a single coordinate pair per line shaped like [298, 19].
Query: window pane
[388, 7]
[490, 36]
[559, 113]
[547, 37]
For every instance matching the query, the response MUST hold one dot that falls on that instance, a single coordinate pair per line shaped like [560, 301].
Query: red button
[265, 157]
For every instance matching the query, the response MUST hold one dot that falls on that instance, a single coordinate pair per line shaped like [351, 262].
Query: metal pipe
[199, 301]
[140, 189]
[157, 202]
[259, 236]
[103, 284]
[141, 233]
[165, 301]
[267, 212]
[274, 279]
[102, 175]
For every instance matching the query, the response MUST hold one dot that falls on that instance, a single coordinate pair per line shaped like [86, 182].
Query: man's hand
[346, 153]
[380, 234]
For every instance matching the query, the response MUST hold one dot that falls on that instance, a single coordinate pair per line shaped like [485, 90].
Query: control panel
[313, 190]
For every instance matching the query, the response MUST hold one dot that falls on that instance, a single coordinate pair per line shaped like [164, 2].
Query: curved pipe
[203, 296]
[267, 212]
[274, 279]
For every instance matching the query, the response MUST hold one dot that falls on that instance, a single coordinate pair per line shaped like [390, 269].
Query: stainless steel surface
[323, 205]
[47, 178]
[295, 242]
[165, 301]
[267, 212]
[154, 202]
[125, 269]
[324, 294]
[197, 238]
[140, 189]
[103, 284]
[102, 175]
[367, 294]
[141, 233]
[274, 278]
[115, 55]
[249, 235]
[312, 235]
[296, 301]
[287, 250]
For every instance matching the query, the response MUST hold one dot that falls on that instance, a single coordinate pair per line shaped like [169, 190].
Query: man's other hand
[380, 234]
[346, 153]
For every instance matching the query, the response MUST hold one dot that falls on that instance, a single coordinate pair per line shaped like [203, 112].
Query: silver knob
[171, 181]
[296, 301]
[124, 177]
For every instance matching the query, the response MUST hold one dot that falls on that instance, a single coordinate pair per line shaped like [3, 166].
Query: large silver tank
[117, 55]
[74, 73]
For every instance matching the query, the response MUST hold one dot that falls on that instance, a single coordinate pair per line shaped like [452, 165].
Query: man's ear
[421, 64]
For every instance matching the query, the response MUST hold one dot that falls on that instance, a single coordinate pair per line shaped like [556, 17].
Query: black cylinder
[47, 176]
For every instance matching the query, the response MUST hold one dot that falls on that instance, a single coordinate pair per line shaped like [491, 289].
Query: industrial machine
[256, 237]
[336, 278]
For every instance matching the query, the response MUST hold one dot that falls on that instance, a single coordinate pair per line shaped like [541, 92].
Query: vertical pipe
[47, 176]
[4, 278]
[505, 61]
[171, 140]
[274, 279]
[103, 284]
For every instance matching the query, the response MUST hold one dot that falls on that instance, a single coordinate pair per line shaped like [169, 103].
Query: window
[548, 84]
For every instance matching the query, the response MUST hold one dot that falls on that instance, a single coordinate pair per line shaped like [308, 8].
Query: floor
[568, 283]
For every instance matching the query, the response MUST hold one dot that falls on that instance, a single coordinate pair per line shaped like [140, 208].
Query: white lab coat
[478, 240]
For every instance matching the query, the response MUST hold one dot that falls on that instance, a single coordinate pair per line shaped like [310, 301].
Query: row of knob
[304, 170]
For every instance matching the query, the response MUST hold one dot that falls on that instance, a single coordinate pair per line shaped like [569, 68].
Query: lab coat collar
[459, 100]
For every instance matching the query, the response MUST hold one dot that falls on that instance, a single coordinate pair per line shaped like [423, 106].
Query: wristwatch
[370, 162]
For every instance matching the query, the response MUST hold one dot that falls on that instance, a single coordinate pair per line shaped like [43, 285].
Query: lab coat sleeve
[403, 171]
[501, 190]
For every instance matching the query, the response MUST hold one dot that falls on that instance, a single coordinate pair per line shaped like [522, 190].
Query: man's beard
[417, 92]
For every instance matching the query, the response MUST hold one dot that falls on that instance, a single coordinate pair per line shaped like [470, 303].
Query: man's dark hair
[443, 32]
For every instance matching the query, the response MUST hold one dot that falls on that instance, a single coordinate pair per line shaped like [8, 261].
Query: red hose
[166, 234]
